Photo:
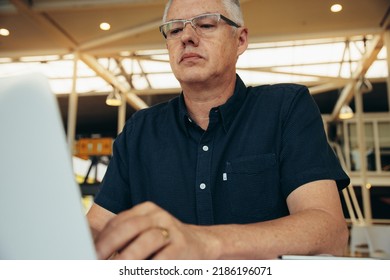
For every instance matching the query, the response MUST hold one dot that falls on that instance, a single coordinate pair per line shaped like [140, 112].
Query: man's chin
[192, 80]
[192, 76]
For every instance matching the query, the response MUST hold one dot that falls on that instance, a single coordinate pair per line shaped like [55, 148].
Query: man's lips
[190, 56]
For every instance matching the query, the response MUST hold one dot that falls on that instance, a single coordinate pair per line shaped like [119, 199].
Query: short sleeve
[114, 194]
[305, 154]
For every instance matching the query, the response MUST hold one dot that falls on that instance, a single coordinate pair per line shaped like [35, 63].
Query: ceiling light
[346, 112]
[336, 8]
[4, 32]
[105, 26]
[114, 98]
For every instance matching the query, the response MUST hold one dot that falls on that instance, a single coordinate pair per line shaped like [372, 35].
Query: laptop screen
[41, 214]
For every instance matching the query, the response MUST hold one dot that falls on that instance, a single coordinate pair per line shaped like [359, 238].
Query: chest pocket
[253, 187]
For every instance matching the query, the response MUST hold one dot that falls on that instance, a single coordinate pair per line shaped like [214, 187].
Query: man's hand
[316, 225]
[148, 232]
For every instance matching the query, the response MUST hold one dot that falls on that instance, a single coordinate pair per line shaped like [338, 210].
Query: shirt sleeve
[305, 153]
[114, 194]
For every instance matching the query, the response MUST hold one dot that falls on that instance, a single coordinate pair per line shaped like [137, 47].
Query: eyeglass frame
[185, 21]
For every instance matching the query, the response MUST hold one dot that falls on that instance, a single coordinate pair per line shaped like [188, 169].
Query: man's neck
[201, 99]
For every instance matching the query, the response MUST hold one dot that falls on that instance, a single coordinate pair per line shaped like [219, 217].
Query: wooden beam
[152, 25]
[60, 35]
[364, 64]
[135, 101]
[46, 23]
[71, 5]
[274, 70]
[325, 87]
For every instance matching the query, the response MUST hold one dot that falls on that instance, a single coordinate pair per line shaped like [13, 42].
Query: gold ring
[164, 233]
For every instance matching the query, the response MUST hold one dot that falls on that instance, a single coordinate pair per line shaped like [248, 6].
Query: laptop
[41, 212]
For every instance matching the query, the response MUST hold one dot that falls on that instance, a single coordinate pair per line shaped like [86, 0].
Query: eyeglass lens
[202, 24]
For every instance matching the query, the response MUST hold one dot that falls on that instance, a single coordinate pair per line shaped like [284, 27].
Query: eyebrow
[205, 13]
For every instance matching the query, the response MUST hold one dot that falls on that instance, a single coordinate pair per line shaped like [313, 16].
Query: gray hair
[232, 7]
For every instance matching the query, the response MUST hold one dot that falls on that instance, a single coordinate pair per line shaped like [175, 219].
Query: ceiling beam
[92, 4]
[152, 25]
[341, 33]
[71, 5]
[16, 55]
[274, 70]
[135, 101]
[60, 35]
[46, 23]
[372, 51]
[326, 87]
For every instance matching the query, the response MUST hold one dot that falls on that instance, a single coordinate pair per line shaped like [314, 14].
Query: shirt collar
[183, 115]
[228, 110]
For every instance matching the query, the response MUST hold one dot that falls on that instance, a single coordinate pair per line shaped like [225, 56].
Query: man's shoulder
[281, 88]
[157, 110]
[277, 92]
[152, 116]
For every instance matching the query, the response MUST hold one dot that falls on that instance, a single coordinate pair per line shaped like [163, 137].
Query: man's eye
[175, 31]
[207, 26]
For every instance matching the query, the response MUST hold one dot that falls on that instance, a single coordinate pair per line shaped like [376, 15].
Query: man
[223, 171]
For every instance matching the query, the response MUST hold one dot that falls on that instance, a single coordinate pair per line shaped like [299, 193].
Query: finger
[118, 233]
[145, 245]
[144, 208]
[170, 253]
[121, 229]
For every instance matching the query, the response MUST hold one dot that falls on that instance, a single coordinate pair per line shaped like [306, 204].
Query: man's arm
[316, 226]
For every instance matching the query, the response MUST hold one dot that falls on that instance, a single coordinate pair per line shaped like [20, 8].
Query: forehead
[184, 9]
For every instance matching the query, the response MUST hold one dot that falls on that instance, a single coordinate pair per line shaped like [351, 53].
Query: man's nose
[190, 34]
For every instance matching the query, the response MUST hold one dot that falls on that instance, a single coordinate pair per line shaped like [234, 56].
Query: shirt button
[202, 186]
[205, 148]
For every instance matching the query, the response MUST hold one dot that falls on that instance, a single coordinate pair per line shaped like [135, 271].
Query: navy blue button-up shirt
[262, 144]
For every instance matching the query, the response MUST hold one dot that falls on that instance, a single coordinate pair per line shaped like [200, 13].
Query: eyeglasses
[203, 24]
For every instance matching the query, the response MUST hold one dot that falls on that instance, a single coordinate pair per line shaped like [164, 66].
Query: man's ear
[242, 40]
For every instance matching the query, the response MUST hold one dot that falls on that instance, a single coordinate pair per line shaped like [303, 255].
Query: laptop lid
[41, 213]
